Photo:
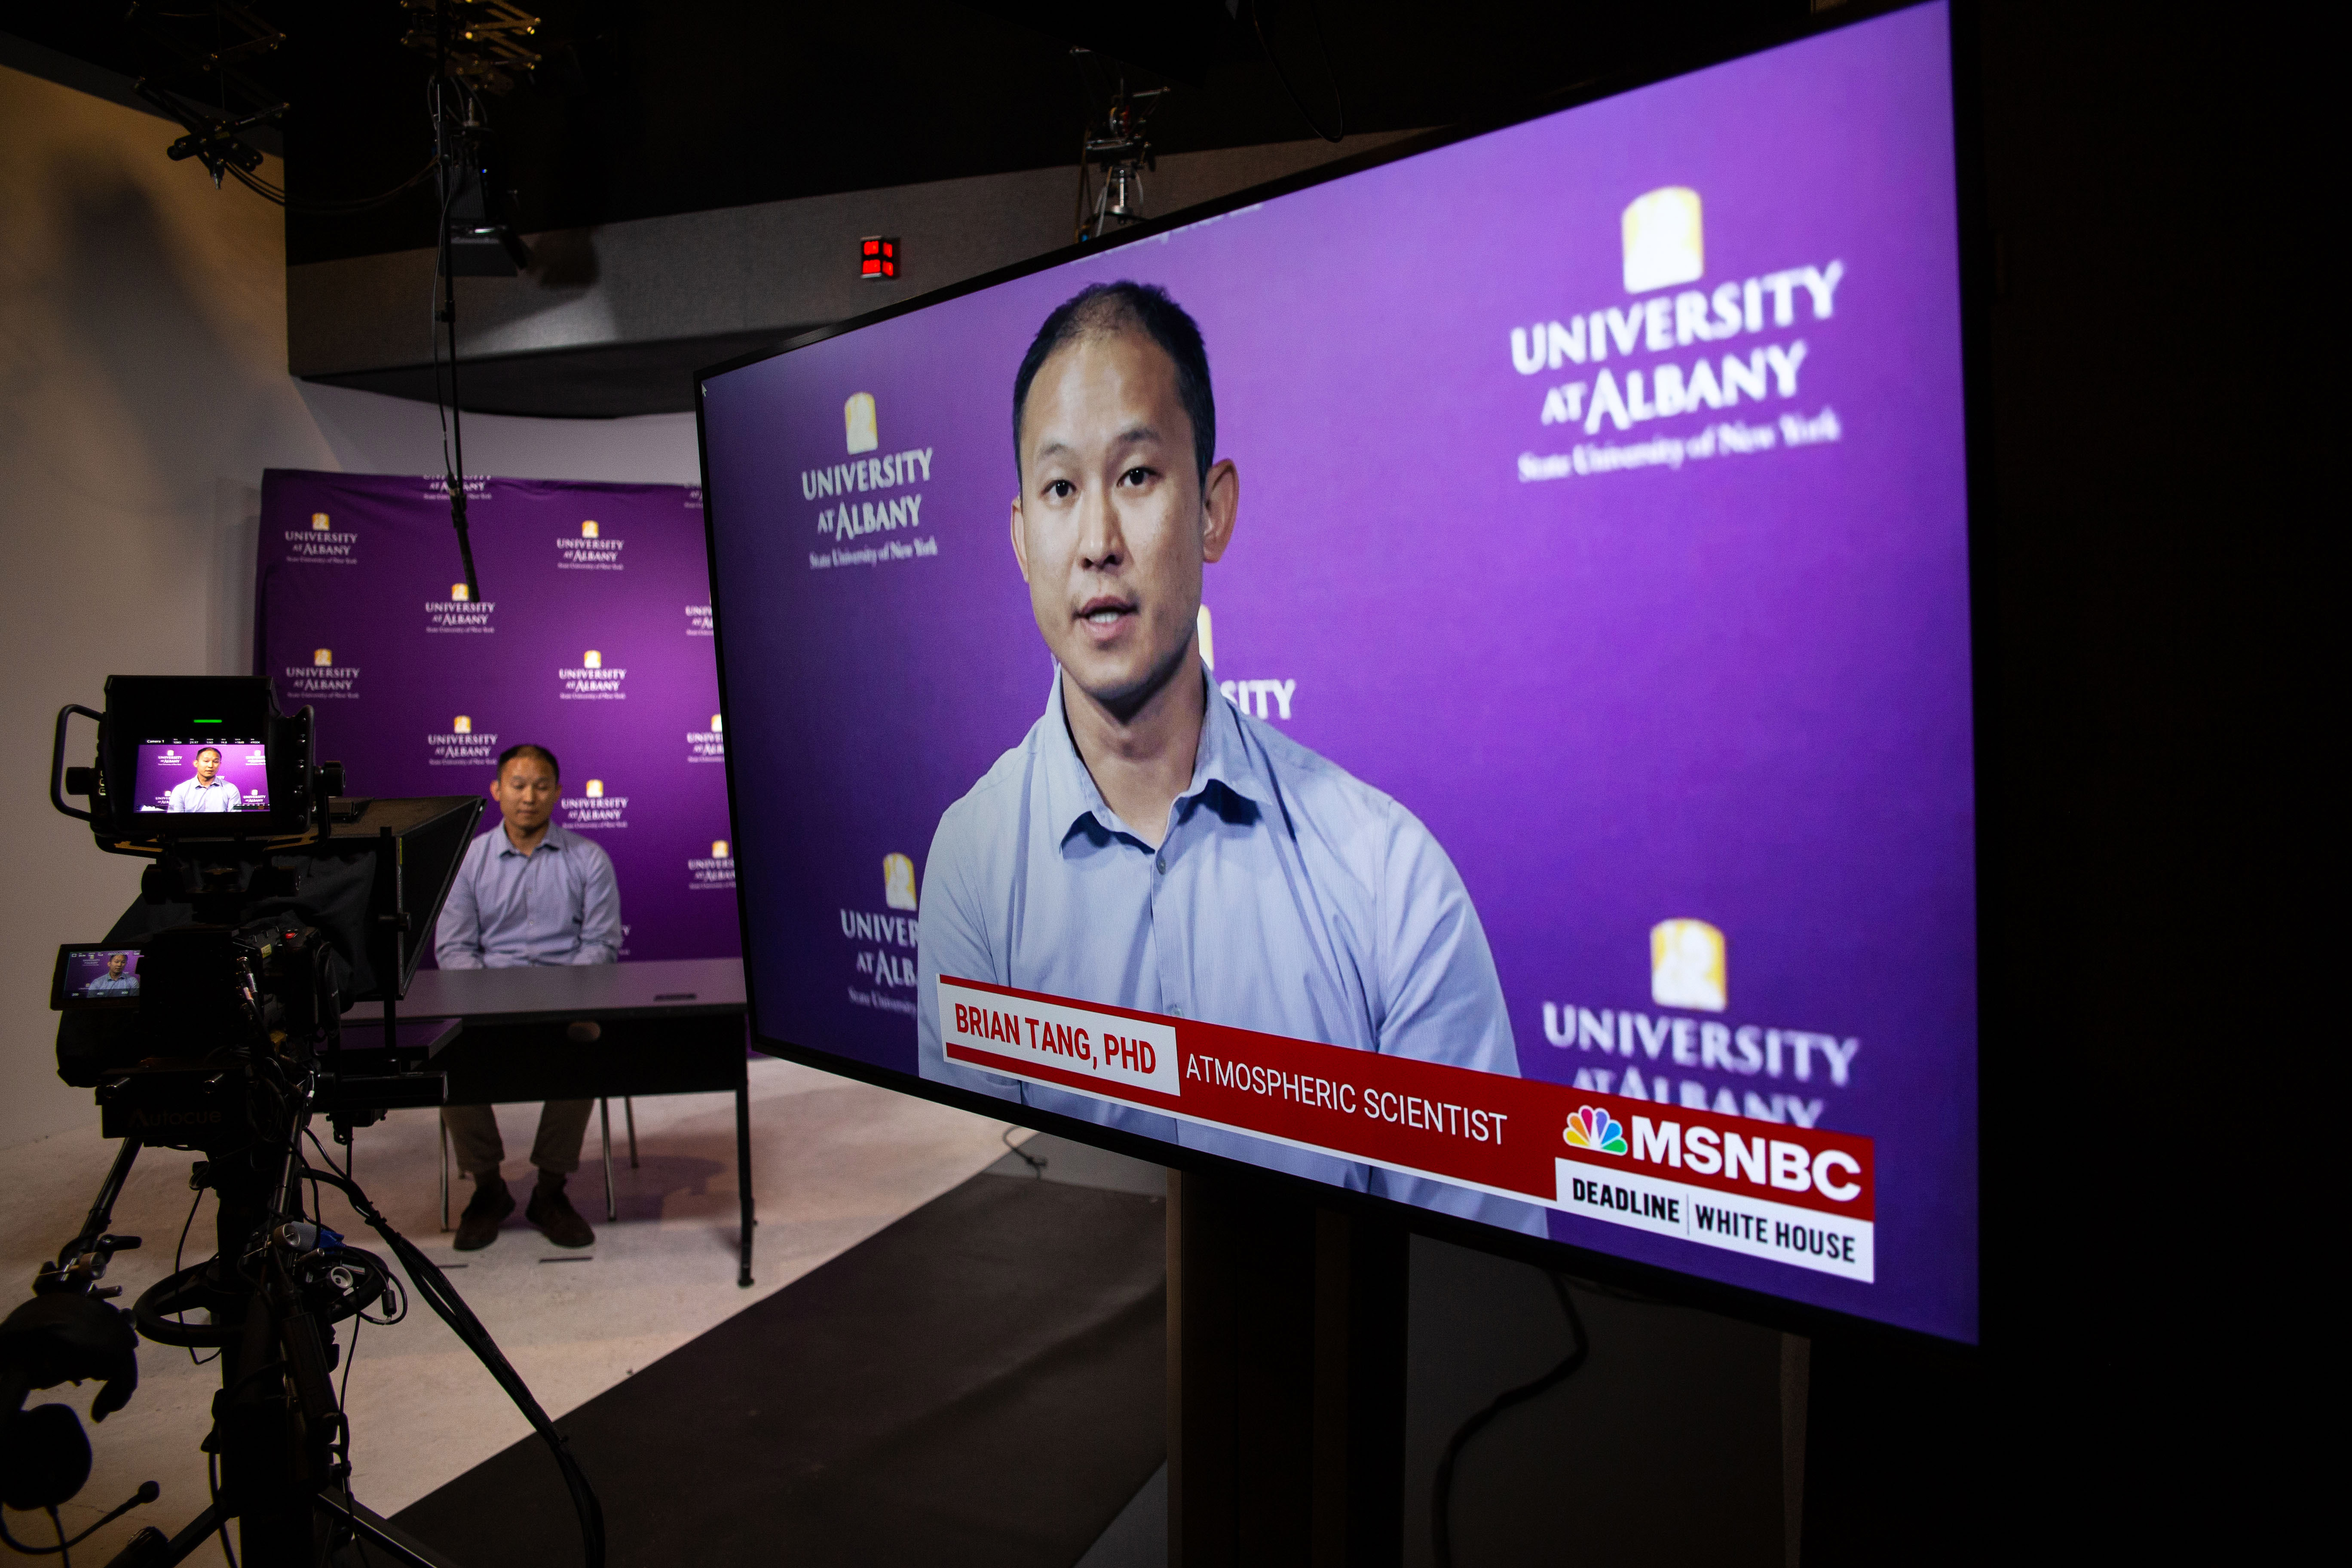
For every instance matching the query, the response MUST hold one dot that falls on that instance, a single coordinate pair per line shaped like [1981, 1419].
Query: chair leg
[629, 1109]
[612, 1208]
[444, 1171]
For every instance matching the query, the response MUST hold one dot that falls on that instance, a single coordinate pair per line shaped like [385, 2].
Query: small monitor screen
[90, 975]
[1453, 681]
[203, 773]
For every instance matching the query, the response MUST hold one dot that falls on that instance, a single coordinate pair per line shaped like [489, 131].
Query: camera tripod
[271, 1297]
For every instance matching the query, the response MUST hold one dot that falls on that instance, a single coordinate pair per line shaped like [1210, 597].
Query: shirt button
[1161, 865]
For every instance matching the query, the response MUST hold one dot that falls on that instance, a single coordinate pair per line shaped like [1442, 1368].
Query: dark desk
[592, 1032]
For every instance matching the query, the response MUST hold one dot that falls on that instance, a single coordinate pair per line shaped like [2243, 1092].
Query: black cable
[348, 207]
[1036, 1165]
[212, 1477]
[427, 1280]
[148, 1492]
[1441, 1502]
[1258, 24]
[445, 311]
[181, 1314]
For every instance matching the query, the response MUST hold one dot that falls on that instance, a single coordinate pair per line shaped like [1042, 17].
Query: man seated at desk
[527, 892]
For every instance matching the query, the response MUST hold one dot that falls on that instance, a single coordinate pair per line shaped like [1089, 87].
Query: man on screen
[114, 982]
[527, 892]
[1150, 846]
[206, 791]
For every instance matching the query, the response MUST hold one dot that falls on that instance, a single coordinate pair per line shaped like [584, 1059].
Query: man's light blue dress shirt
[559, 904]
[189, 795]
[1288, 898]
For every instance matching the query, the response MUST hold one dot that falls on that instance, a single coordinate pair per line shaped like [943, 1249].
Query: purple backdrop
[163, 764]
[1712, 665]
[592, 637]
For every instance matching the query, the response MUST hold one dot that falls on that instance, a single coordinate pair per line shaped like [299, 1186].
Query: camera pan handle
[57, 759]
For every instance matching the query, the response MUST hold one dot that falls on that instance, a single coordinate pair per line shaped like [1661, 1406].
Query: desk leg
[629, 1109]
[612, 1205]
[743, 1163]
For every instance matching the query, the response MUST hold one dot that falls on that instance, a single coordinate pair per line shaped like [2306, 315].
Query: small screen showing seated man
[178, 777]
[99, 975]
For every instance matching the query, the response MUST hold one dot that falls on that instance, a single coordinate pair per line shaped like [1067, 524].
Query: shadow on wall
[128, 303]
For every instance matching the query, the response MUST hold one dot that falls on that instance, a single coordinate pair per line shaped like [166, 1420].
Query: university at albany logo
[325, 656]
[857, 415]
[1687, 967]
[898, 883]
[595, 790]
[319, 522]
[1589, 1127]
[461, 725]
[715, 874]
[592, 679]
[460, 593]
[589, 550]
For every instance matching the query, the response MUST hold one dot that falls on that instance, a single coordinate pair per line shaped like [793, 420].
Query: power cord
[1441, 1502]
[1035, 1164]
[1339, 104]
[425, 1279]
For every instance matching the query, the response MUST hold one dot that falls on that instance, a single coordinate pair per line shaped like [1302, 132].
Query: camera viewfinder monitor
[202, 758]
[1449, 680]
[95, 977]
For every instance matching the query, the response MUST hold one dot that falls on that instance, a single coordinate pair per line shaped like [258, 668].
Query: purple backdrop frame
[358, 613]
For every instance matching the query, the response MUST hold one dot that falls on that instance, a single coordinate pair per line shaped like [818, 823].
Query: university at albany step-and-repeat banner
[592, 637]
[1601, 537]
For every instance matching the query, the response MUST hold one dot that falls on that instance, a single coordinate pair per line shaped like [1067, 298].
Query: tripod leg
[612, 1209]
[381, 1534]
[148, 1549]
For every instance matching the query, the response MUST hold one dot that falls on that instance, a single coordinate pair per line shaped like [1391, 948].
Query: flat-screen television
[1448, 678]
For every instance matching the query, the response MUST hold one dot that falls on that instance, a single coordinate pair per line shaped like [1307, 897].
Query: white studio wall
[143, 390]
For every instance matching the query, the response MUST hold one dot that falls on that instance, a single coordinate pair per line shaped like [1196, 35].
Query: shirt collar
[554, 839]
[1224, 758]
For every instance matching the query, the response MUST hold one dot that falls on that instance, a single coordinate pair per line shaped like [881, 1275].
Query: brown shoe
[552, 1213]
[491, 1202]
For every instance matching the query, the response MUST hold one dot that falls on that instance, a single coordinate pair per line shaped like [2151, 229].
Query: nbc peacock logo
[1595, 1130]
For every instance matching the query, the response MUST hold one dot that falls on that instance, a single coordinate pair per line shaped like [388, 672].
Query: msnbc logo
[1596, 1130]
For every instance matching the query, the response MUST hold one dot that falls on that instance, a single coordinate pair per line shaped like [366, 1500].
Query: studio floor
[834, 1163]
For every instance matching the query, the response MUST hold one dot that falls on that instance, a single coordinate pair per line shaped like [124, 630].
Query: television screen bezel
[1660, 1283]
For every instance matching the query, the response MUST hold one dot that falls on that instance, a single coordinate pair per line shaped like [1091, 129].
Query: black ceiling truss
[635, 108]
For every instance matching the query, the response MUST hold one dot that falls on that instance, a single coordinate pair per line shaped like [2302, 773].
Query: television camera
[209, 1020]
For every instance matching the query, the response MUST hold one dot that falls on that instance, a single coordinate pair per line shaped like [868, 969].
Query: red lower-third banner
[1794, 1194]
